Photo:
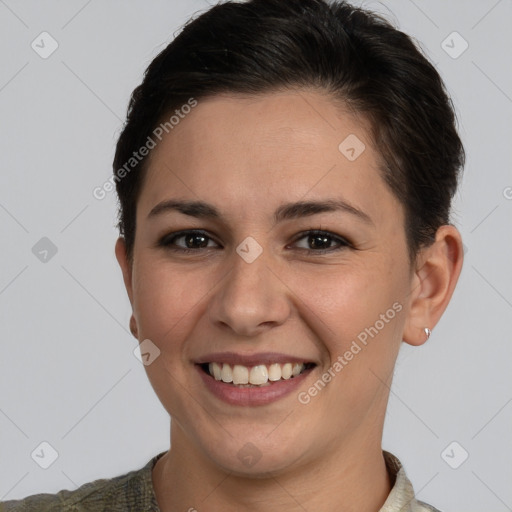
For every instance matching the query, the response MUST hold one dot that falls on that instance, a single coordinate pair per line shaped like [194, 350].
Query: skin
[247, 156]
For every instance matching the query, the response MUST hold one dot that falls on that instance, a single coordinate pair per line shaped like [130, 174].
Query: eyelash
[168, 240]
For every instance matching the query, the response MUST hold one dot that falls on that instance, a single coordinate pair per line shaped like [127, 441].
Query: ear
[126, 268]
[437, 271]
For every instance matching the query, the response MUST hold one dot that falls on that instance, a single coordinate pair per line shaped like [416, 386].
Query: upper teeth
[256, 375]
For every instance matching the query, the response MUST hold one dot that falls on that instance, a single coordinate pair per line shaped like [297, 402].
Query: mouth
[259, 375]
[252, 379]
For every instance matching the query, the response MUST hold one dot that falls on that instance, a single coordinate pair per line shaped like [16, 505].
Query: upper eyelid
[309, 232]
[178, 234]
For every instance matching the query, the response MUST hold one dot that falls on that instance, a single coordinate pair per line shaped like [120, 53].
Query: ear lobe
[126, 266]
[438, 270]
[133, 327]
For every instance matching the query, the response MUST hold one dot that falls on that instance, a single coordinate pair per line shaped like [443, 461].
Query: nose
[251, 298]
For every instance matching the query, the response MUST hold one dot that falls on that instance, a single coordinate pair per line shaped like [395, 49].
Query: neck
[353, 478]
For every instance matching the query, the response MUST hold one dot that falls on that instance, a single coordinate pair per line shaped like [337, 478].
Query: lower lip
[256, 395]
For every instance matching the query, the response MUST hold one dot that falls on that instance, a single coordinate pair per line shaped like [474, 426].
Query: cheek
[361, 314]
[349, 300]
[359, 317]
[167, 306]
[166, 302]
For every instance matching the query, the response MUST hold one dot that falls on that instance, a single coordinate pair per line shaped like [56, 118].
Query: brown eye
[321, 241]
[187, 241]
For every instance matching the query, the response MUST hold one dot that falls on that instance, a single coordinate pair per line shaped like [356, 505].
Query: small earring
[428, 332]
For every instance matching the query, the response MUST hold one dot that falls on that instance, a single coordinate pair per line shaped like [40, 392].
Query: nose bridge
[250, 297]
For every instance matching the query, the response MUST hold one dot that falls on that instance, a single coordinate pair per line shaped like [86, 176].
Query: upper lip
[250, 359]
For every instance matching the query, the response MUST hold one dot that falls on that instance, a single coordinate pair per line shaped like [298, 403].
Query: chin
[251, 462]
[256, 454]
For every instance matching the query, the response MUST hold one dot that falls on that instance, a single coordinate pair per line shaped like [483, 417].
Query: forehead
[248, 152]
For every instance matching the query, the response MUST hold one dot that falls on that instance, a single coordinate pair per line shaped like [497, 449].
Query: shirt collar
[401, 498]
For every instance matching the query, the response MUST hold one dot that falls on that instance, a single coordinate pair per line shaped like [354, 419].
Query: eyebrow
[288, 211]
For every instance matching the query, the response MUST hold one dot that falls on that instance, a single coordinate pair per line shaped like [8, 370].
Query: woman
[285, 178]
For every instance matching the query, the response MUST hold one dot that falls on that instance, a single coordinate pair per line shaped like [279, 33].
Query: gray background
[68, 375]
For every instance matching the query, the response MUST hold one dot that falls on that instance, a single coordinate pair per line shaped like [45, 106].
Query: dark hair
[354, 55]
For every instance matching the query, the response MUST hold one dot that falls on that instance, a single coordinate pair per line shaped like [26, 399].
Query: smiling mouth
[259, 375]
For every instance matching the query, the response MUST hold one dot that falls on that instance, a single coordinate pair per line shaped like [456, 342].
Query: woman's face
[299, 256]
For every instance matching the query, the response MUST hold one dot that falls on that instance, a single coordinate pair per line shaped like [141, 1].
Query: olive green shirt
[134, 491]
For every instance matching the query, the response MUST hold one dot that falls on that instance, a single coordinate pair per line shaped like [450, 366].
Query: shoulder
[131, 491]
